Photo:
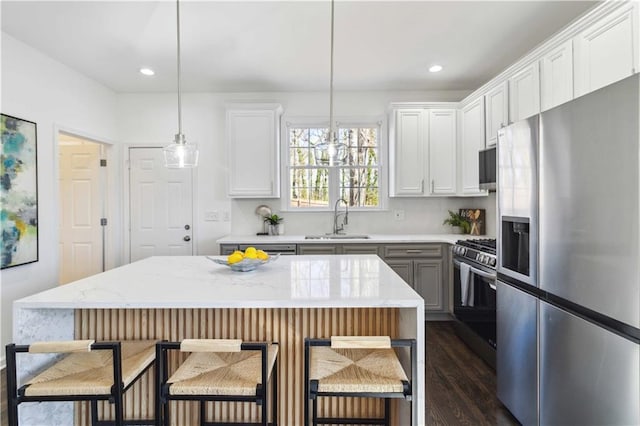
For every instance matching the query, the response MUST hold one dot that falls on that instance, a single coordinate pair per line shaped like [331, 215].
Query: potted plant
[276, 227]
[459, 224]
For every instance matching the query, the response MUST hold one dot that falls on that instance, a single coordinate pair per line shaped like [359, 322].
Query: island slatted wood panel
[288, 327]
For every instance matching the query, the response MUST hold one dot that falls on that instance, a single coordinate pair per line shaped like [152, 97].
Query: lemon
[262, 255]
[238, 252]
[251, 253]
[234, 258]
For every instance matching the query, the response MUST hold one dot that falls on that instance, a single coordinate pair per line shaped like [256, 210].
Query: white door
[160, 206]
[81, 208]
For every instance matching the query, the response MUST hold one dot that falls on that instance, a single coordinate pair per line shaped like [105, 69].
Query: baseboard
[438, 316]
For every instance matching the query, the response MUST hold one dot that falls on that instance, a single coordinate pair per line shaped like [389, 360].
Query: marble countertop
[197, 282]
[373, 239]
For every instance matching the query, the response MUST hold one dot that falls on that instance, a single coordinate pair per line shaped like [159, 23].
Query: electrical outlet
[398, 214]
[212, 216]
[226, 216]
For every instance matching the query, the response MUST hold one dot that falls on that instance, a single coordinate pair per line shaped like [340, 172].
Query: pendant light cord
[331, 135]
[179, 70]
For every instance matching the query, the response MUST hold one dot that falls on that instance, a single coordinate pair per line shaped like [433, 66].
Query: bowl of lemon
[246, 261]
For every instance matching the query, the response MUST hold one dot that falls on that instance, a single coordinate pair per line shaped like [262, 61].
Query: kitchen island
[191, 297]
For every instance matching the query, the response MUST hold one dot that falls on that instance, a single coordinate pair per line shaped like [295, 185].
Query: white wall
[39, 89]
[151, 119]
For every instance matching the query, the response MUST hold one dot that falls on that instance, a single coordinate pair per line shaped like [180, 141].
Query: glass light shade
[180, 154]
[331, 153]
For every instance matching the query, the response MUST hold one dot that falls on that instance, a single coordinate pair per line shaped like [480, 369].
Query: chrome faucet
[345, 220]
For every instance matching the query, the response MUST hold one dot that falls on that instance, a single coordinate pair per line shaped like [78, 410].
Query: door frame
[111, 243]
[126, 203]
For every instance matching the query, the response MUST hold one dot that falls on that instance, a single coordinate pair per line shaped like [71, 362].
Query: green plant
[456, 219]
[274, 219]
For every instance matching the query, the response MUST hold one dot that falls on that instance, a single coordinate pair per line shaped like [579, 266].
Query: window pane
[359, 186]
[299, 156]
[309, 188]
[316, 137]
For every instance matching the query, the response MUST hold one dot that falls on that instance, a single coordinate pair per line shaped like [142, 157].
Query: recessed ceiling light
[147, 71]
[435, 68]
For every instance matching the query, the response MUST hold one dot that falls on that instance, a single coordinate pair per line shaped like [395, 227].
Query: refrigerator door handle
[479, 272]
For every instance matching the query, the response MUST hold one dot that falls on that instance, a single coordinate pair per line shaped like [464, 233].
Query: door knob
[187, 238]
[187, 227]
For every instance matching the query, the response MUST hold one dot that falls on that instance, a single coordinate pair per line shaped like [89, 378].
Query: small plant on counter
[274, 219]
[456, 219]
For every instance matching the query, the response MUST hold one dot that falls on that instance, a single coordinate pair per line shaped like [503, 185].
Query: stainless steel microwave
[487, 169]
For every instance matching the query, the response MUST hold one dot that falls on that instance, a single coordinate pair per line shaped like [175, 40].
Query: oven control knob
[492, 262]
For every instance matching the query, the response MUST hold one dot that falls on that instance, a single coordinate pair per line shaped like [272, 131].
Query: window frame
[334, 172]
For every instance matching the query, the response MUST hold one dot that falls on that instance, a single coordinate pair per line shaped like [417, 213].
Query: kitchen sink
[336, 237]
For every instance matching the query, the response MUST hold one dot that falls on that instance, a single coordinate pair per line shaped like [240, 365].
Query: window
[316, 186]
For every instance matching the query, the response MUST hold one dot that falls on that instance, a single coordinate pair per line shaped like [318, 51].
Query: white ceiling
[284, 45]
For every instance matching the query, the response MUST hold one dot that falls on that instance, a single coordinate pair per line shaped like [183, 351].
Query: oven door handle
[479, 272]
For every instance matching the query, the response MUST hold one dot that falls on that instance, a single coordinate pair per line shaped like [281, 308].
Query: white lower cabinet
[253, 150]
[607, 51]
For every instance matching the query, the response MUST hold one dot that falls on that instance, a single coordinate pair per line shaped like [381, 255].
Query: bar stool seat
[356, 366]
[87, 371]
[218, 370]
[221, 373]
[91, 373]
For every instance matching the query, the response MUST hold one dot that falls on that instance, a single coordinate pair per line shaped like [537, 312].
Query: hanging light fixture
[331, 152]
[180, 154]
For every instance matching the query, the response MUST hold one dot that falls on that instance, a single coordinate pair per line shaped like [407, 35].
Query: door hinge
[103, 163]
[103, 221]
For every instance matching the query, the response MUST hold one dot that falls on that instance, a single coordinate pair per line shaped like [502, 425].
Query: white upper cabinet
[497, 109]
[524, 93]
[606, 51]
[556, 76]
[253, 154]
[471, 142]
[442, 151]
[408, 147]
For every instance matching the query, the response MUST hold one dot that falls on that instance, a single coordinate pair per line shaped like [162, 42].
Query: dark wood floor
[461, 388]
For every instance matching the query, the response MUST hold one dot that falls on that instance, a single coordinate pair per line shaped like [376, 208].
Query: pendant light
[180, 154]
[331, 152]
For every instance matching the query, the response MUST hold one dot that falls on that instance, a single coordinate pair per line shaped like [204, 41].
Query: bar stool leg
[387, 412]
[274, 396]
[203, 413]
[12, 385]
[94, 412]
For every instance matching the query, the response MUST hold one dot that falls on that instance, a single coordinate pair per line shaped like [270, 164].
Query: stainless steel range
[474, 295]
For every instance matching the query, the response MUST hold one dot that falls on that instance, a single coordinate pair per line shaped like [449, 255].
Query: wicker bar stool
[355, 366]
[217, 370]
[90, 371]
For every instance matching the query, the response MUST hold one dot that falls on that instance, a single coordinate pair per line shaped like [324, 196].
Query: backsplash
[421, 216]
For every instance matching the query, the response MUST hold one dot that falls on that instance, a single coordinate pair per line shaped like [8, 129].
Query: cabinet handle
[433, 183]
[422, 186]
[414, 251]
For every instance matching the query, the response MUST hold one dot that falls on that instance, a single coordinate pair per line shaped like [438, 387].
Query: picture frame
[18, 191]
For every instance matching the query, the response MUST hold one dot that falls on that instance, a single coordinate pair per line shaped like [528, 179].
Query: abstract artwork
[19, 192]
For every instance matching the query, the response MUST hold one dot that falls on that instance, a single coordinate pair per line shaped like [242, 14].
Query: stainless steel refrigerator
[569, 329]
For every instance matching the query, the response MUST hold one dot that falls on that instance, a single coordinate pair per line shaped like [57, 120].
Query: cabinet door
[524, 93]
[402, 267]
[442, 151]
[471, 142]
[317, 249]
[428, 282]
[556, 76]
[606, 51]
[360, 249]
[496, 103]
[408, 146]
[253, 152]
[227, 249]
